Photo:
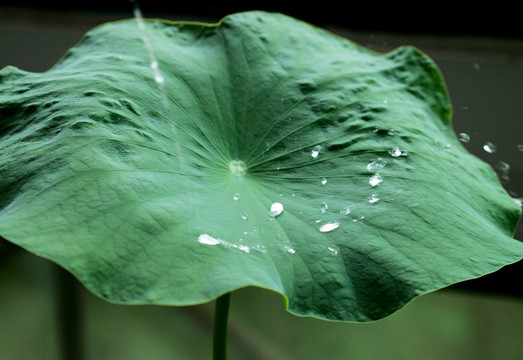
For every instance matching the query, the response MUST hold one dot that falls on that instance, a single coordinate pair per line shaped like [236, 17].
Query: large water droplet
[316, 151]
[329, 226]
[373, 199]
[397, 152]
[276, 209]
[463, 137]
[208, 240]
[323, 181]
[378, 164]
[375, 180]
[490, 148]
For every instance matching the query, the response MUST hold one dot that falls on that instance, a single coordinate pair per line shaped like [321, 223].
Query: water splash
[153, 62]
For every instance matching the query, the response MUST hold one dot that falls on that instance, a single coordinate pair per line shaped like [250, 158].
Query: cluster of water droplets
[501, 167]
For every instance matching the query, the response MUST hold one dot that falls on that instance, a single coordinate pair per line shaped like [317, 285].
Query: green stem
[221, 315]
[69, 316]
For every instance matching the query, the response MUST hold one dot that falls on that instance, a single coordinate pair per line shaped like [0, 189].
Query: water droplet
[245, 216]
[490, 148]
[520, 147]
[329, 227]
[236, 197]
[159, 79]
[463, 137]
[502, 169]
[373, 199]
[323, 181]
[397, 152]
[334, 249]
[345, 211]
[375, 180]
[324, 207]
[476, 66]
[276, 209]
[519, 201]
[316, 151]
[290, 250]
[385, 101]
[378, 164]
[208, 240]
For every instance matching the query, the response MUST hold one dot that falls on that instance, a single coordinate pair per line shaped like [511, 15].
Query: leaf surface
[169, 163]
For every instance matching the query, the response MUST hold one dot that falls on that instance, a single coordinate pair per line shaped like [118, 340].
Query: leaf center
[238, 168]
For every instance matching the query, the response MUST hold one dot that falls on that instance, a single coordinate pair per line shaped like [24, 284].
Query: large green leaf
[170, 163]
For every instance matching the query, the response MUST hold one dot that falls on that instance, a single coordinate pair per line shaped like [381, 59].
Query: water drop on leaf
[375, 180]
[324, 208]
[345, 211]
[329, 226]
[316, 151]
[378, 164]
[334, 249]
[373, 199]
[276, 209]
[397, 152]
